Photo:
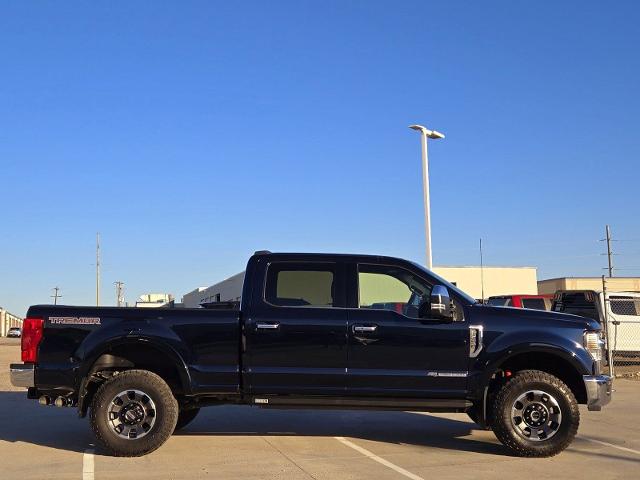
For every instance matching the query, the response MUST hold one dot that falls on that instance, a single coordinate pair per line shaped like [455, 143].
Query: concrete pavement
[245, 442]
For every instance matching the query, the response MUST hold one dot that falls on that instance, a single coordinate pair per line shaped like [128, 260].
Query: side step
[420, 404]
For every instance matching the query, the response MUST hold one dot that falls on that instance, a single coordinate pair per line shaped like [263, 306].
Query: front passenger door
[394, 352]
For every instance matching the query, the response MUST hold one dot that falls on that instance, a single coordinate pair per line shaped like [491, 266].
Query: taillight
[31, 336]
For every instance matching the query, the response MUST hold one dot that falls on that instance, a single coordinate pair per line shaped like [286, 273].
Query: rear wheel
[133, 413]
[185, 417]
[535, 414]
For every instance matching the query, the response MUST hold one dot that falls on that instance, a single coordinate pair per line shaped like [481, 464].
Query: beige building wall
[8, 320]
[616, 284]
[497, 280]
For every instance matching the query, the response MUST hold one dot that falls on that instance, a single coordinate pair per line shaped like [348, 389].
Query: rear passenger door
[296, 333]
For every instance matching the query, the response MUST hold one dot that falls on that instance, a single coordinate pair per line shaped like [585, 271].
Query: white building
[154, 300]
[228, 290]
[7, 321]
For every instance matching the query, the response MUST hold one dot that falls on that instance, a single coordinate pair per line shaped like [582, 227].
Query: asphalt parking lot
[245, 442]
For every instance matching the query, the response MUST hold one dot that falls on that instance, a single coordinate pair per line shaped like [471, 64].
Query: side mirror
[439, 304]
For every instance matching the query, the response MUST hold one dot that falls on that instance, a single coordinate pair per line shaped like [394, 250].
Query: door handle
[365, 328]
[267, 326]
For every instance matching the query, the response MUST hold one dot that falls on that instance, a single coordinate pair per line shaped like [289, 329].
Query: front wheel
[535, 414]
[133, 413]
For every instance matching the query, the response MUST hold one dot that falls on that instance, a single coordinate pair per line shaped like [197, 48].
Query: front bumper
[599, 391]
[22, 375]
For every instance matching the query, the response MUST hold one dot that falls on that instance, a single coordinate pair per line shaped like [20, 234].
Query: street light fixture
[426, 133]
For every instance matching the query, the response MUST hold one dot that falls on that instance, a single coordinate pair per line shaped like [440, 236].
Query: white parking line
[624, 449]
[378, 459]
[87, 464]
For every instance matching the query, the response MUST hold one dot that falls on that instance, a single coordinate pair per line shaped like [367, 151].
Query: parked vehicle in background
[14, 332]
[535, 302]
[319, 331]
[620, 309]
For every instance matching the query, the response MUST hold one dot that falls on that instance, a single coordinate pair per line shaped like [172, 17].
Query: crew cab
[319, 331]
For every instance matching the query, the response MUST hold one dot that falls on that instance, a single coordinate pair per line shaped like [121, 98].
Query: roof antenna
[481, 271]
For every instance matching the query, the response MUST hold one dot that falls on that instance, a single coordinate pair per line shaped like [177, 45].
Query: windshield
[449, 285]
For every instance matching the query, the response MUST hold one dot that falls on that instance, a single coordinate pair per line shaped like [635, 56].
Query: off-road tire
[165, 413]
[507, 432]
[185, 417]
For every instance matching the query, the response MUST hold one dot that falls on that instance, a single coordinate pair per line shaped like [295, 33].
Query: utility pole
[119, 293]
[481, 271]
[608, 239]
[97, 269]
[55, 295]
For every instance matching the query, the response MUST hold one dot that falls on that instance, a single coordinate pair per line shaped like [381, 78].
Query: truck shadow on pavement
[23, 420]
[410, 428]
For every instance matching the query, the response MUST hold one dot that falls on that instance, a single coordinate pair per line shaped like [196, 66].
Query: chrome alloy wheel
[131, 414]
[536, 415]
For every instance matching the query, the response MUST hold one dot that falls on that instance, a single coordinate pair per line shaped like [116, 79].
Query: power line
[55, 295]
[609, 254]
[119, 293]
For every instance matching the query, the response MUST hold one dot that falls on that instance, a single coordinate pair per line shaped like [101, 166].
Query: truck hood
[540, 317]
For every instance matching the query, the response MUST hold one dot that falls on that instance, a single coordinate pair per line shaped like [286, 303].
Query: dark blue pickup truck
[319, 331]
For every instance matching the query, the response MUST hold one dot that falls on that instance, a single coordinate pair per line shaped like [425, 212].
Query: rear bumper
[598, 391]
[22, 375]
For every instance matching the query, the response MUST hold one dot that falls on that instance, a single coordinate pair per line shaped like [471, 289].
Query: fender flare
[493, 365]
[532, 348]
[90, 360]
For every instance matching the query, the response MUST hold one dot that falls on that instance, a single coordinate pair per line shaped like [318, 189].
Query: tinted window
[300, 285]
[534, 303]
[577, 304]
[391, 288]
[500, 301]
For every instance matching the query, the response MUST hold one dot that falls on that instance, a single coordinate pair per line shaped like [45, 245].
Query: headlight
[594, 344]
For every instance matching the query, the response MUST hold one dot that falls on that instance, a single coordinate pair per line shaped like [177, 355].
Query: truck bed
[205, 344]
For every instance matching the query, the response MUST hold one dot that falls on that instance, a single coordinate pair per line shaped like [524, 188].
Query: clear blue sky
[192, 133]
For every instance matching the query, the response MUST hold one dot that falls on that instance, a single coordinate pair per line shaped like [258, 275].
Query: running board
[287, 401]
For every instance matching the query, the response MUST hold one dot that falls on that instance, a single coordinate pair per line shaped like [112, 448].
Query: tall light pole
[97, 269]
[426, 133]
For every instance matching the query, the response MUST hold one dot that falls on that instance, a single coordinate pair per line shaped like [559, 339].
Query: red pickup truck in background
[535, 302]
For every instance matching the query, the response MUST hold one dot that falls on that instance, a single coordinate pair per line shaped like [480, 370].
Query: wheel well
[127, 357]
[546, 362]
